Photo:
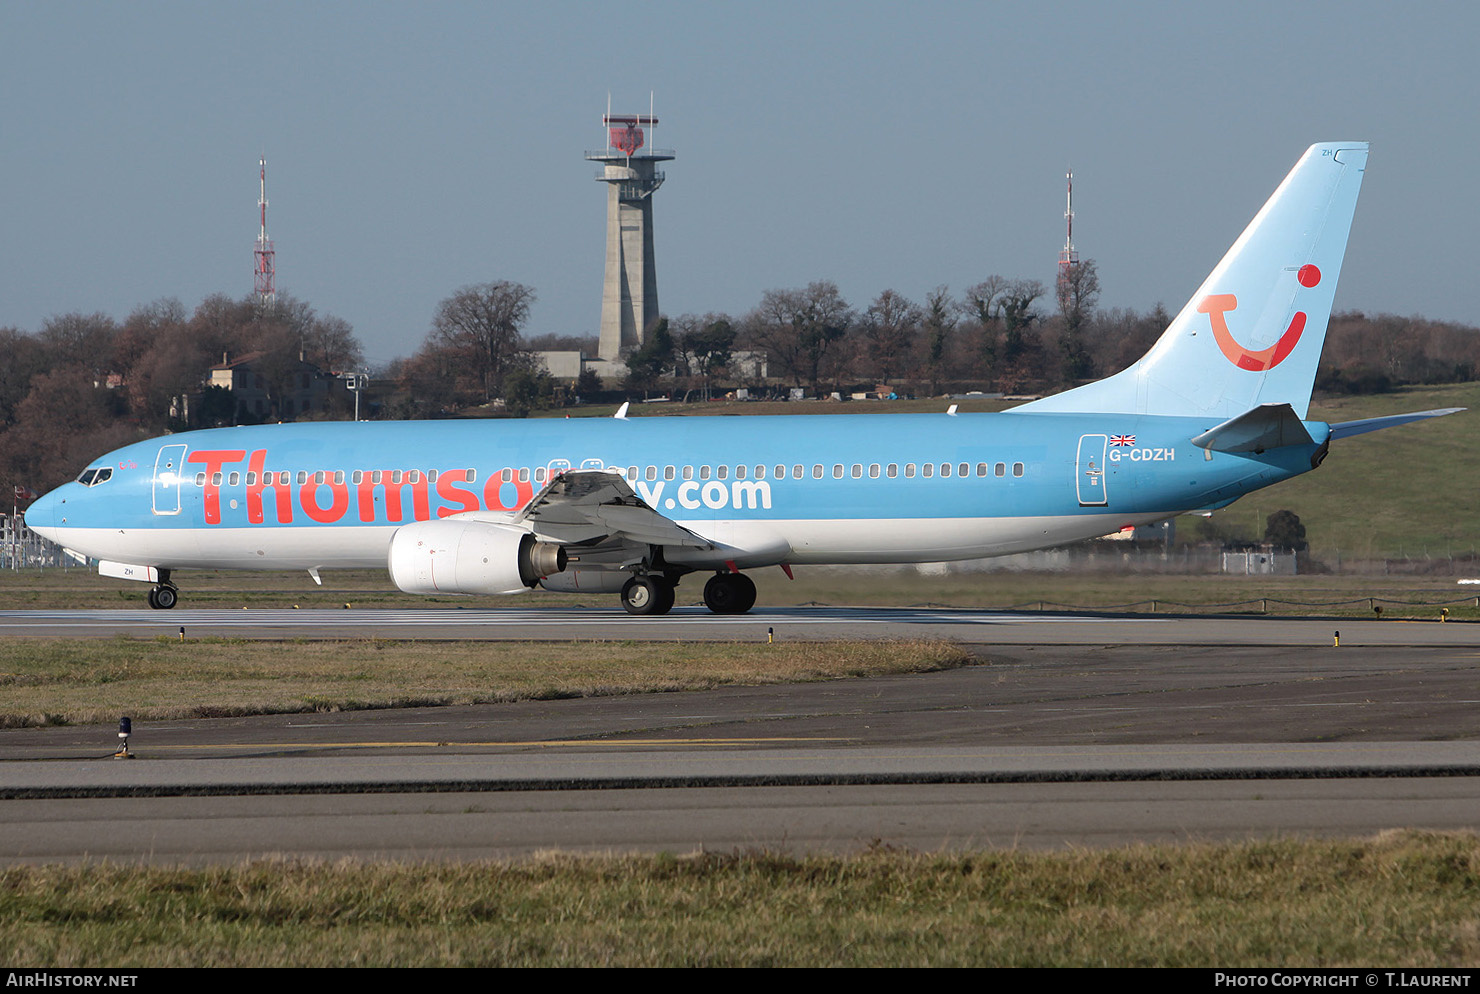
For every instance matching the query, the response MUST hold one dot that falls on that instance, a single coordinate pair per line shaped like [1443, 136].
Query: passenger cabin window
[507, 476]
[524, 474]
[927, 470]
[1017, 469]
[338, 477]
[215, 479]
[963, 470]
[945, 469]
[703, 472]
[200, 479]
[652, 473]
[837, 471]
[796, 472]
[739, 472]
[981, 469]
[721, 472]
[857, 471]
[873, 471]
[539, 474]
[893, 470]
[688, 472]
[1000, 469]
[817, 471]
[233, 479]
[668, 472]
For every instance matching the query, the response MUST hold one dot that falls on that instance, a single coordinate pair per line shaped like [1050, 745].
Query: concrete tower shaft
[629, 294]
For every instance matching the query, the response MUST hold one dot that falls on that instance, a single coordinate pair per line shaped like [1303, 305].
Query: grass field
[1404, 899]
[71, 681]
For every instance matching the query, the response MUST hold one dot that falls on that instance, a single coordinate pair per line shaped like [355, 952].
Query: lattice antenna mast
[265, 284]
[1069, 258]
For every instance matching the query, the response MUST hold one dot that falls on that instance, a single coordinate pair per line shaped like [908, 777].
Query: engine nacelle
[470, 557]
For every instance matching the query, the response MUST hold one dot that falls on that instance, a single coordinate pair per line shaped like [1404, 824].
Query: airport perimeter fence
[21, 547]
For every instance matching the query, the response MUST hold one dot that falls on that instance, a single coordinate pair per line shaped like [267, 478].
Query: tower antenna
[265, 283]
[1069, 258]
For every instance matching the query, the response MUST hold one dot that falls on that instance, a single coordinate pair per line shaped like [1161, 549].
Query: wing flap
[581, 505]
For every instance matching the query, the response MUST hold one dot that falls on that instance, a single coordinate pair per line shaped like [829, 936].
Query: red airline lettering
[256, 483]
[446, 489]
[214, 459]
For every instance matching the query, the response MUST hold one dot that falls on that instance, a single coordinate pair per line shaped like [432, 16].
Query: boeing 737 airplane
[1215, 410]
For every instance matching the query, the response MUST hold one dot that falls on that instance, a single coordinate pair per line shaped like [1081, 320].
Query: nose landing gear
[163, 596]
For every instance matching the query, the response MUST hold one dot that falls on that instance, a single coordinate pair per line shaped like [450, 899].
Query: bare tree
[890, 327]
[982, 305]
[1078, 290]
[939, 323]
[1019, 352]
[480, 325]
[329, 343]
[801, 329]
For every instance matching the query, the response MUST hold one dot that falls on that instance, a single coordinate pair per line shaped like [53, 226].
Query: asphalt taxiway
[1079, 730]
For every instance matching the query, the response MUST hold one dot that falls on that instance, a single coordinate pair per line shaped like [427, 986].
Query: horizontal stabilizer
[1349, 428]
[1268, 426]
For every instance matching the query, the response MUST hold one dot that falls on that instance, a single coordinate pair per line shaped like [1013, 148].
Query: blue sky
[416, 148]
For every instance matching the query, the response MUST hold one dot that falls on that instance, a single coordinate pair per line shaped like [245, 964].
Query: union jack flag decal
[1122, 440]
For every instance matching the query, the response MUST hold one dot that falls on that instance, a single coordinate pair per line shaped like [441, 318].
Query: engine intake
[470, 557]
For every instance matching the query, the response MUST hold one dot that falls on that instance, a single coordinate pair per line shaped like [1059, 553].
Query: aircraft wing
[588, 505]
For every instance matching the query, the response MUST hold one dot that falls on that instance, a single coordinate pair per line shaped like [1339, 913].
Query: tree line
[85, 383]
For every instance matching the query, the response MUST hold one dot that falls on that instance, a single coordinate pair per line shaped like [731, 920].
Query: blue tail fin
[1252, 334]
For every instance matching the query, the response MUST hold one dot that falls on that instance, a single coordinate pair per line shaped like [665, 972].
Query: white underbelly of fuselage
[748, 543]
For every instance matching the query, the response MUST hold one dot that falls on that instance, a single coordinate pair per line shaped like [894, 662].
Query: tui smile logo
[1217, 305]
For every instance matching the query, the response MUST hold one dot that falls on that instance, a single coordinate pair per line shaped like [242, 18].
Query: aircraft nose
[41, 516]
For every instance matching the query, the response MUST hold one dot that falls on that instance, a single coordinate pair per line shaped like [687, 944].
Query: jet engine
[470, 557]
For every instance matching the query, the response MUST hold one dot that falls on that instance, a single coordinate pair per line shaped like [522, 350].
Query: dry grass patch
[1403, 899]
[53, 681]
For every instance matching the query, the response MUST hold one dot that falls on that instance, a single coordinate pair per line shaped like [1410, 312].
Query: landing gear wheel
[163, 597]
[729, 593]
[647, 594]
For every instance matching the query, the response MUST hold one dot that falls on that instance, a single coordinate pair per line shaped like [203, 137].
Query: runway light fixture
[125, 728]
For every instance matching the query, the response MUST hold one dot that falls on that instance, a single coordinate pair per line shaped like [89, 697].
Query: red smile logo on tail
[1218, 305]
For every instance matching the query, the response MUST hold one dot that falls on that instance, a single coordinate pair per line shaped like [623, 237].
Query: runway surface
[691, 624]
[1078, 730]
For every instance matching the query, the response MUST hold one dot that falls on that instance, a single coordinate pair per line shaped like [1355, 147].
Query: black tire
[163, 598]
[729, 593]
[647, 595]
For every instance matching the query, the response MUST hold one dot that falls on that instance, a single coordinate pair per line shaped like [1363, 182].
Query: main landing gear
[164, 596]
[652, 593]
[648, 593]
[729, 593]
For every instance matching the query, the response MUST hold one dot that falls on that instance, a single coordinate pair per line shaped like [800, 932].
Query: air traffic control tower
[629, 294]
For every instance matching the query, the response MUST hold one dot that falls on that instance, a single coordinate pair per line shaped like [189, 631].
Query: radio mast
[265, 283]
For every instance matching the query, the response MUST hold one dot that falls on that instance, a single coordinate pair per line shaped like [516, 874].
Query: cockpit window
[92, 477]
